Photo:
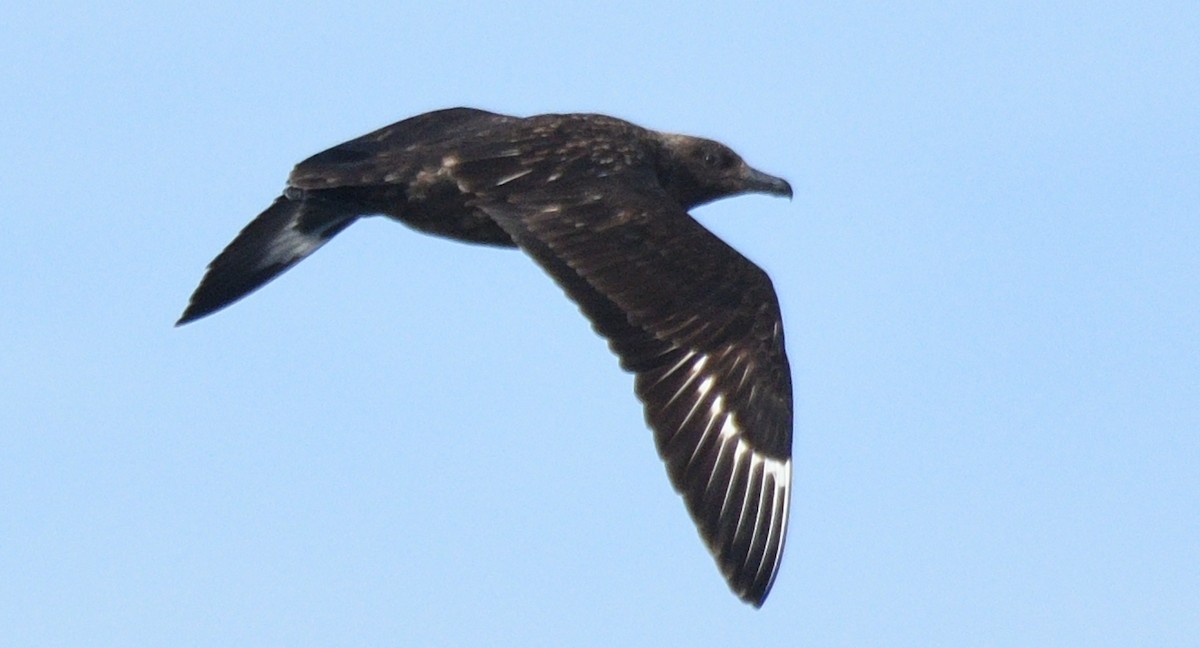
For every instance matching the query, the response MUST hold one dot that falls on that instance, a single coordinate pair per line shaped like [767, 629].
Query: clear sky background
[989, 278]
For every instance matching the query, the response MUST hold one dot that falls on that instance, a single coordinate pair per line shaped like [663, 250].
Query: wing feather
[285, 233]
[396, 150]
[699, 326]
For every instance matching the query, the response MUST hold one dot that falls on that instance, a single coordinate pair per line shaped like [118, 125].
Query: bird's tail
[292, 228]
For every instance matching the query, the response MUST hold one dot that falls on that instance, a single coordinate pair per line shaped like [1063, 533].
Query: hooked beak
[758, 181]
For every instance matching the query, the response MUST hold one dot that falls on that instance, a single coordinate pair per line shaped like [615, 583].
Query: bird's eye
[717, 159]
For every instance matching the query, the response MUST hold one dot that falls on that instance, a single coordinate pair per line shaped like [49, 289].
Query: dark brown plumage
[601, 205]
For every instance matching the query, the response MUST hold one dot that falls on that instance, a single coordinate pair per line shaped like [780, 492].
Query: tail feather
[279, 238]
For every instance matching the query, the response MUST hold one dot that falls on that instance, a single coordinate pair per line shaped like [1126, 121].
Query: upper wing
[700, 326]
[395, 150]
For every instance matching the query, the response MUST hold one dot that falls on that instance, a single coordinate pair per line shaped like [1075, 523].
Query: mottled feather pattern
[602, 206]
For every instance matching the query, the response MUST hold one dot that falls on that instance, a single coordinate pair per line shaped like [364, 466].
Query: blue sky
[989, 278]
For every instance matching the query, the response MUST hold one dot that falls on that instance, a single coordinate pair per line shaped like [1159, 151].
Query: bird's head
[695, 171]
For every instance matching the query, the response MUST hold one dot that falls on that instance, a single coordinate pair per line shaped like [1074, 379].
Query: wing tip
[191, 314]
[280, 237]
[747, 539]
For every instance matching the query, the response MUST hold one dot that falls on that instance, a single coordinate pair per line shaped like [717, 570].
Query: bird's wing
[700, 326]
[277, 239]
[380, 172]
[394, 153]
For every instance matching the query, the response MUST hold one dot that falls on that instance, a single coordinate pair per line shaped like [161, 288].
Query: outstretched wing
[277, 239]
[329, 191]
[699, 325]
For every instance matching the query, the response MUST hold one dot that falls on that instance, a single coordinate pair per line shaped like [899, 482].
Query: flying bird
[602, 206]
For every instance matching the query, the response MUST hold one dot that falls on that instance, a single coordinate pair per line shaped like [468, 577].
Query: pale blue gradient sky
[989, 278]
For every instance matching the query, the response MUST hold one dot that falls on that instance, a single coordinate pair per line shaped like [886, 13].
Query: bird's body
[601, 204]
